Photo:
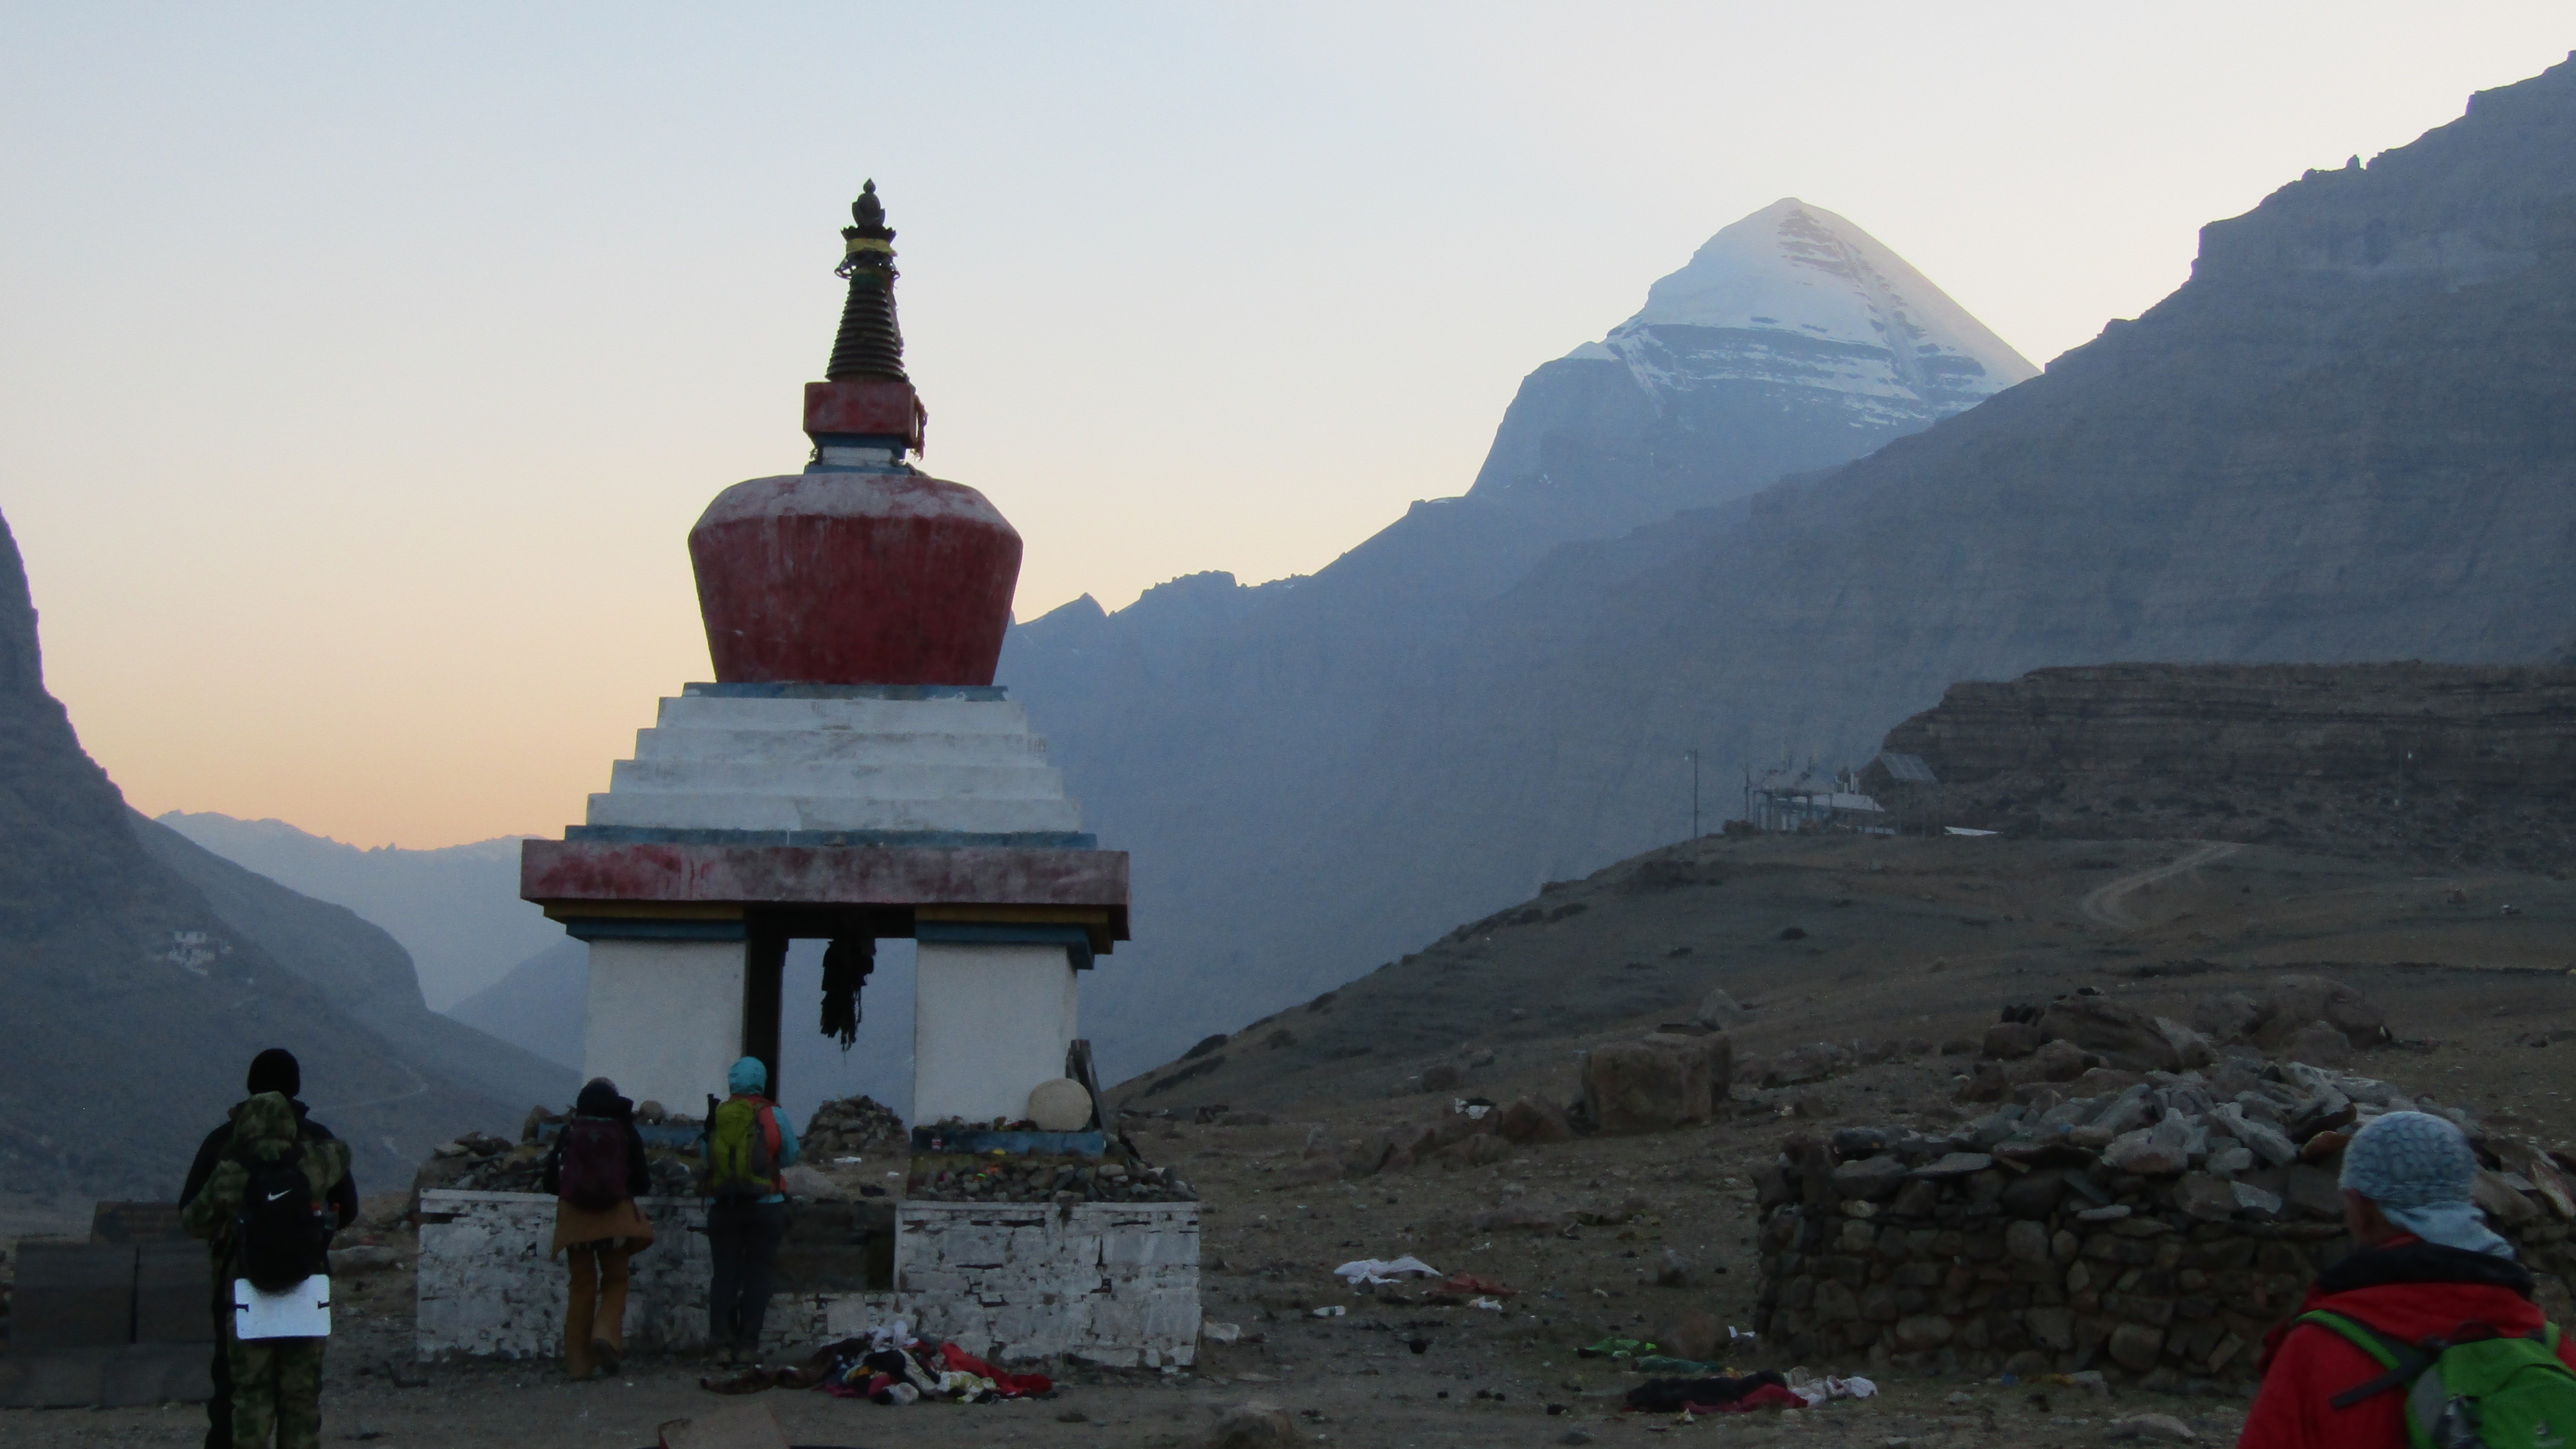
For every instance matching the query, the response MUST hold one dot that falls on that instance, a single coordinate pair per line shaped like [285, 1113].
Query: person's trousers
[598, 1306]
[745, 1240]
[277, 1389]
[219, 1409]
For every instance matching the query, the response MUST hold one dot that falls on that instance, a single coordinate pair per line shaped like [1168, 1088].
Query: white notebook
[303, 1311]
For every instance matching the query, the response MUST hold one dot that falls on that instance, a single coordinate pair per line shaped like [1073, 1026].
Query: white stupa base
[664, 1018]
[989, 1023]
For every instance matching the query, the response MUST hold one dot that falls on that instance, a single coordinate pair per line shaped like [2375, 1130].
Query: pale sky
[365, 366]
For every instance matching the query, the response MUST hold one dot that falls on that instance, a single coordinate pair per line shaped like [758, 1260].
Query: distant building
[1907, 790]
[1785, 800]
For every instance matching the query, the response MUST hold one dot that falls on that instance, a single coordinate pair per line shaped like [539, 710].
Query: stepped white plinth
[898, 766]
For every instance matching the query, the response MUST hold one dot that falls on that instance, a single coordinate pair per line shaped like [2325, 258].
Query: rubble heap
[2155, 1223]
[853, 1127]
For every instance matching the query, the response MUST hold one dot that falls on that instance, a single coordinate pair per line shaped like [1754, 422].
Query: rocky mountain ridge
[134, 1004]
[2345, 439]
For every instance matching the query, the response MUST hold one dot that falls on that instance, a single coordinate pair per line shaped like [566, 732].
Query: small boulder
[2121, 1035]
[1868, 1179]
[2317, 1044]
[1717, 1009]
[2290, 1003]
[1533, 1119]
[1693, 1334]
[2010, 1041]
[1644, 1086]
[2134, 1346]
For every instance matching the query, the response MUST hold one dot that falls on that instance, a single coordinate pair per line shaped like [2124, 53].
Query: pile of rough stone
[853, 1127]
[2115, 1214]
[1034, 1177]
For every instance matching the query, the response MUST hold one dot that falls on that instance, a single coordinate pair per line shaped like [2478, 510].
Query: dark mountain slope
[364, 972]
[133, 1006]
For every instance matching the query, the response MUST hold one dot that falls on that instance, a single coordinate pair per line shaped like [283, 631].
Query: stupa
[852, 773]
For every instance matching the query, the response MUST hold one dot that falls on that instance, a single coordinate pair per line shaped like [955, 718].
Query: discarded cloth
[1378, 1270]
[1616, 1348]
[1468, 1285]
[1816, 1390]
[1678, 1368]
[1003, 1385]
[1668, 1396]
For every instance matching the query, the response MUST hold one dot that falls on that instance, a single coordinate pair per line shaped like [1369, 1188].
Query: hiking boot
[606, 1355]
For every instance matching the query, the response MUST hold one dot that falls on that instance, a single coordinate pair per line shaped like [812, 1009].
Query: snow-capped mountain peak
[1863, 320]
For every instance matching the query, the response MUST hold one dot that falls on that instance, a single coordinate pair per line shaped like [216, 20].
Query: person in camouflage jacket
[277, 1382]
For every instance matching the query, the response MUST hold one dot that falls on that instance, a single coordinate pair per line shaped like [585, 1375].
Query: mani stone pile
[853, 1127]
[1042, 1177]
[2156, 1226]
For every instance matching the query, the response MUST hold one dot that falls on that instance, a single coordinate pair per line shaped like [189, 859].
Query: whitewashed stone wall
[1114, 1283]
[490, 1289]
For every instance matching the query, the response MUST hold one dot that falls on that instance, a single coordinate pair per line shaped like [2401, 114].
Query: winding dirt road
[2102, 906]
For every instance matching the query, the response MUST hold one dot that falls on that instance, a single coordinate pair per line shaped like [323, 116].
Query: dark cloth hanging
[847, 963]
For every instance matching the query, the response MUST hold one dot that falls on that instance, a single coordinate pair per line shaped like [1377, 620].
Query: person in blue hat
[748, 1145]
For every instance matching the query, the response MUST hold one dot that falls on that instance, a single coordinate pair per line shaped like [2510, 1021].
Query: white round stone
[1060, 1105]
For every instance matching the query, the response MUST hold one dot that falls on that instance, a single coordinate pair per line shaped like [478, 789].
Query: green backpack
[742, 1151]
[2491, 1392]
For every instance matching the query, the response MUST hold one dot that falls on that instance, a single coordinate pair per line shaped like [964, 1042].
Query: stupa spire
[870, 344]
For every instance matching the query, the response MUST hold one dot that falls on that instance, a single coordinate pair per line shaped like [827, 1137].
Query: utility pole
[1694, 759]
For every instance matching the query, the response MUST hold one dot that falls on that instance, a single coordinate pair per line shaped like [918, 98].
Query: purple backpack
[593, 1174]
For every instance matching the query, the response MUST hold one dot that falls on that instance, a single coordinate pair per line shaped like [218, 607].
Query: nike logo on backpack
[274, 1196]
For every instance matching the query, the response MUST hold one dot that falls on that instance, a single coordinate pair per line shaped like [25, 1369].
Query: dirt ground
[1898, 938]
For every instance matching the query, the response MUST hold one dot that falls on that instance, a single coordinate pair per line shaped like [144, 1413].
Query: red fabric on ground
[1769, 1396]
[1011, 1386]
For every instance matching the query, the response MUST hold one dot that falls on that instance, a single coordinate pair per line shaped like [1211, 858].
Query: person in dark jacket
[599, 1238]
[2424, 1263]
[274, 1070]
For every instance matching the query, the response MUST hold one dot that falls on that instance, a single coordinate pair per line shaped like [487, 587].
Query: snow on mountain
[1793, 341]
[1797, 295]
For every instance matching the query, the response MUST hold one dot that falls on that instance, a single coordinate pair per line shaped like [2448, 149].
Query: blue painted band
[1075, 940]
[983, 1140]
[882, 839]
[640, 928]
[982, 693]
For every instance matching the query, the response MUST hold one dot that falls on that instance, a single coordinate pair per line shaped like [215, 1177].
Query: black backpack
[282, 1235]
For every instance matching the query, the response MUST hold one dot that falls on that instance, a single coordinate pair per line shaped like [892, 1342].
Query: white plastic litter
[1378, 1270]
[1215, 1332]
[1331, 1310]
[884, 1336]
[1491, 1305]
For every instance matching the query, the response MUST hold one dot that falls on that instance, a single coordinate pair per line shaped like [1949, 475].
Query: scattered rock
[2163, 1427]
[1253, 1425]
[1717, 1009]
[2134, 1346]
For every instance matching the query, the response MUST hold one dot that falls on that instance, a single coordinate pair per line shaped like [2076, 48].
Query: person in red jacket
[2424, 1263]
